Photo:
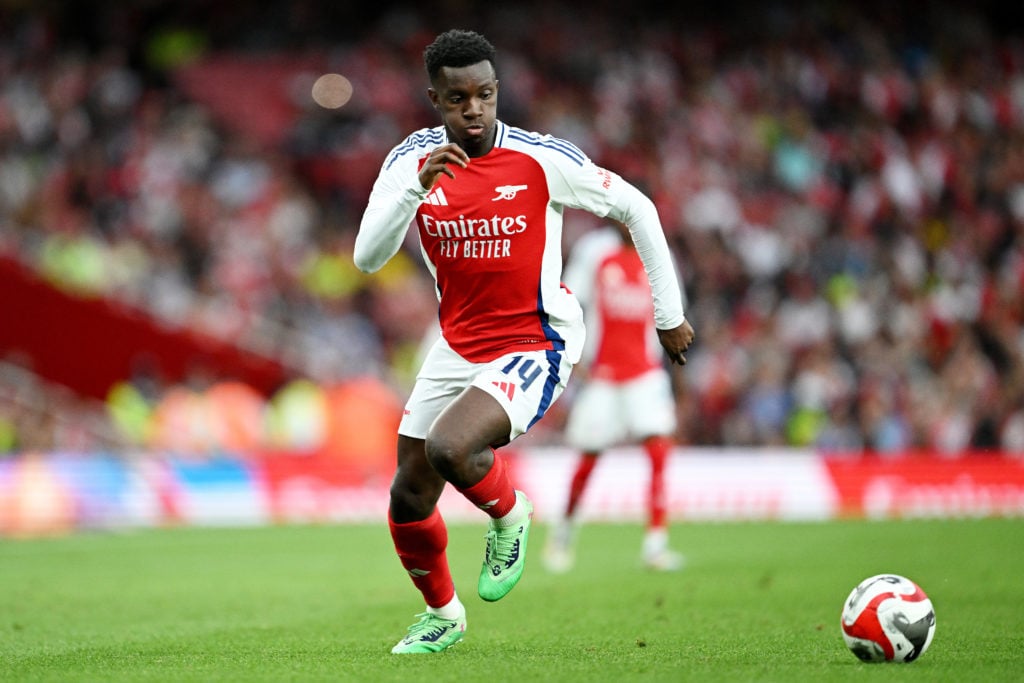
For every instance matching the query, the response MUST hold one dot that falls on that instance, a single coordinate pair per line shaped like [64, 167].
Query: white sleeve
[393, 202]
[638, 212]
[585, 185]
[396, 195]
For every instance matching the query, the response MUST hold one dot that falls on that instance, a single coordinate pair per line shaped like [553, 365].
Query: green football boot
[431, 634]
[505, 556]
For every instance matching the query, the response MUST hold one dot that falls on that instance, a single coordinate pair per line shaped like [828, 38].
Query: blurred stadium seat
[843, 185]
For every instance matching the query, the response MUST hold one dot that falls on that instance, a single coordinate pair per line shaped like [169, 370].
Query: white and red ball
[888, 618]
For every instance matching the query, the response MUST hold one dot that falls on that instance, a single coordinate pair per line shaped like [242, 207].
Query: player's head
[464, 87]
[457, 48]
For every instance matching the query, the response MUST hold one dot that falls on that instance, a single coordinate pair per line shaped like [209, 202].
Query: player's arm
[583, 185]
[386, 219]
[398, 191]
[676, 341]
[638, 212]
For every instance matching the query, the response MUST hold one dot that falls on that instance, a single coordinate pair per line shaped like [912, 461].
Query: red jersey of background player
[607, 276]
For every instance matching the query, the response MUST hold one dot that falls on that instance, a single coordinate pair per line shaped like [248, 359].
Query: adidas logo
[508, 387]
[436, 197]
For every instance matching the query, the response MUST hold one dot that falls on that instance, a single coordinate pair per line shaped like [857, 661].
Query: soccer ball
[888, 618]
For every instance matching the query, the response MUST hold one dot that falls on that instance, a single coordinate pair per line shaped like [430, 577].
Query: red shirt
[485, 234]
[622, 319]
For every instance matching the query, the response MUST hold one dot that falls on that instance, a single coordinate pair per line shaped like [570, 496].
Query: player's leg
[594, 424]
[416, 525]
[652, 414]
[560, 547]
[578, 484]
[460, 446]
[656, 551]
[657, 448]
[506, 398]
[421, 540]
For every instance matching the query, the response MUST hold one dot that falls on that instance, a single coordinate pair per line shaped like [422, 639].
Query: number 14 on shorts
[527, 369]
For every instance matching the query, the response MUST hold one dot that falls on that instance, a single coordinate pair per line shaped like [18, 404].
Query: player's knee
[445, 455]
[409, 504]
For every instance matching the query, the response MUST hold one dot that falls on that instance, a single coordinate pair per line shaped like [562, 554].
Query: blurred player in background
[628, 393]
[486, 199]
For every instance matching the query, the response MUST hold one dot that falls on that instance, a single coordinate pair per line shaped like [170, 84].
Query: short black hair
[457, 48]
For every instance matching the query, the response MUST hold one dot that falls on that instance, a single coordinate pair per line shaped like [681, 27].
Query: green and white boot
[431, 634]
[505, 557]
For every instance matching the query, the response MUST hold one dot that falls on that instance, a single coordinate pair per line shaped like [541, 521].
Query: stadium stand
[843, 186]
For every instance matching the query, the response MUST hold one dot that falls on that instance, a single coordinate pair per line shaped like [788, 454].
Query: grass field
[757, 602]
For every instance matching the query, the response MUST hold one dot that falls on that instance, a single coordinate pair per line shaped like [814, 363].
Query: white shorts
[525, 383]
[605, 413]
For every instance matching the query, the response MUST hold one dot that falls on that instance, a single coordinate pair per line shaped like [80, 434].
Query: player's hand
[439, 162]
[676, 341]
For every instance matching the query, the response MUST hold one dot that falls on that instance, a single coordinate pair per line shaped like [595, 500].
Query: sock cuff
[429, 520]
[491, 478]
[494, 494]
[421, 535]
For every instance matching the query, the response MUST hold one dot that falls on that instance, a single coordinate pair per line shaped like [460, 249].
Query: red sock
[579, 482]
[421, 548]
[494, 494]
[658, 448]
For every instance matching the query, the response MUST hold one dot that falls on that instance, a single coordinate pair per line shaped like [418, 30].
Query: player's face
[467, 98]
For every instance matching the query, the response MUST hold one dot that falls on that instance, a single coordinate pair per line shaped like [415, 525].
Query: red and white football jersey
[609, 279]
[492, 236]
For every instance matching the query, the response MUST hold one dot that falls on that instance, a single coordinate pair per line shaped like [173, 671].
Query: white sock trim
[452, 610]
[514, 516]
[655, 540]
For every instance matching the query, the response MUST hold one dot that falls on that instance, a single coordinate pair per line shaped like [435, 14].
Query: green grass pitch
[756, 602]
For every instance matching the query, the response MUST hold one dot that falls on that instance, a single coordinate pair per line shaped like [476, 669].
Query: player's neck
[475, 150]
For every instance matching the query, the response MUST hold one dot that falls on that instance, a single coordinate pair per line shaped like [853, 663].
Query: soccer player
[628, 392]
[486, 199]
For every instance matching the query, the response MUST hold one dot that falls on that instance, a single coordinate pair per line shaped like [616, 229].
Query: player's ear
[432, 96]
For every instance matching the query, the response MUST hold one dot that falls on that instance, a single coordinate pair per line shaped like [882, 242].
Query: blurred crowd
[843, 186]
